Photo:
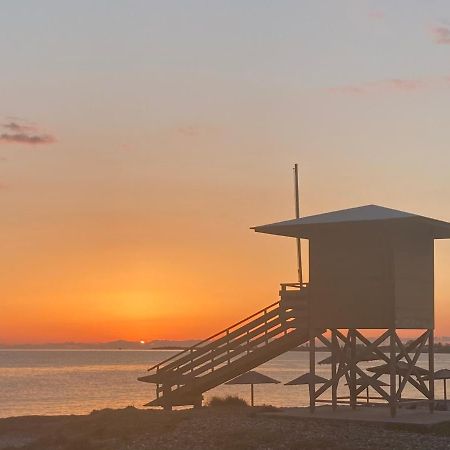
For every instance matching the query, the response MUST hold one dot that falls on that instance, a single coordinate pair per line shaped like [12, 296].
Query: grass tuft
[229, 400]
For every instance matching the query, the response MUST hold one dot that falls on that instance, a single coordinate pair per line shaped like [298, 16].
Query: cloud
[189, 130]
[22, 138]
[126, 147]
[402, 84]
[376, 15]
[440, 34]
[392, 85]
[19, 128]
[352, 90]
[16, 132]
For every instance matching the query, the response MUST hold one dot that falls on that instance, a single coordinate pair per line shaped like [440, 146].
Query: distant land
[113, 345]
[442, 345]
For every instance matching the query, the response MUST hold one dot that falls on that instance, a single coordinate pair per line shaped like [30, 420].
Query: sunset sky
[140, 140]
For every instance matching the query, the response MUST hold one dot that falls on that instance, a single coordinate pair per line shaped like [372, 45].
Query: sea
[54, 382]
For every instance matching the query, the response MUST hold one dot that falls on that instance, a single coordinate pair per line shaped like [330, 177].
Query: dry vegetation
[229, 400]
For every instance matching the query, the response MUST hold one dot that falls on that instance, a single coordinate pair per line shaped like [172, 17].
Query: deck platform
[379, 414]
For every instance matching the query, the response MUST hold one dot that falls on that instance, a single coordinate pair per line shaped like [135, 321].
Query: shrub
[268, 408]
[229, 400]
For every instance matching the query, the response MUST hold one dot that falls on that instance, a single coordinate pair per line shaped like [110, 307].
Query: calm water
[78, 381]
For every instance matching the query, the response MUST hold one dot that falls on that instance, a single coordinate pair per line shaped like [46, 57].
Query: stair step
[237, 346]
[182, 379]
[219, 376]
[184, 400]
[200, 350]
[205, 363]
[171, 378]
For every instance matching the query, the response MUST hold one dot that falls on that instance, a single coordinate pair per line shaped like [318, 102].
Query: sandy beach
[209, 428]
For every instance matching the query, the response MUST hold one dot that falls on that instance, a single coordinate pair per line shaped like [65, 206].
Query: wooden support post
[166, 389]
[404, 352]
[248, 342]
[228, 346]
[265, 327]
[198, 402]
[445, 393]
[297, 215]
[252, 395]
[334, 356]
[312, 370]
[431, 368]
[344, 363]
[353, 362]
[393, 378]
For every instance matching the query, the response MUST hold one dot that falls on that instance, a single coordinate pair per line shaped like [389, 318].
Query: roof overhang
[369, 216]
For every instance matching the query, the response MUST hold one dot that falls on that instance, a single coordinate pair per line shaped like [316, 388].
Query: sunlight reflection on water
[78, 381]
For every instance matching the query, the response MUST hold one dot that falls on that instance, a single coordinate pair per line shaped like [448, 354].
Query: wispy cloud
[376, 15]
[440, 34]
[391, 86]
[189, 130]
[16, 132]
[22, 138]
[19, 128]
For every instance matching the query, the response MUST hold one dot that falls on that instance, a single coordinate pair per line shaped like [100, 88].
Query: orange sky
[151, 138]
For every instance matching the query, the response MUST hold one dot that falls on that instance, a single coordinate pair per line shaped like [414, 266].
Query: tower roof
[304, 226]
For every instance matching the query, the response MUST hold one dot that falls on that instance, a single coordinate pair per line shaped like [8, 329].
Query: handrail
[240, 349]
[293, 285]
[190, 349]
[204, 383]
[223, 339]
[242, 340]
[225, 350]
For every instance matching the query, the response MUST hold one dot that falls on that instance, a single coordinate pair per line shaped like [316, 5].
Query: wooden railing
[214, 340]
[296, 285]
[225, 346]
[231, 344]
[296, 289]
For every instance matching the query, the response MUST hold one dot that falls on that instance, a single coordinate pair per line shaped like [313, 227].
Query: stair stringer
[189, 393]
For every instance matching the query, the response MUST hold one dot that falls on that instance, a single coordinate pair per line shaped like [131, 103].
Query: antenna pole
[297, 216]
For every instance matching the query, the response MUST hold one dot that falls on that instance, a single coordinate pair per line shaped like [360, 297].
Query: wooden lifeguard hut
[370, 269]
[371, 272]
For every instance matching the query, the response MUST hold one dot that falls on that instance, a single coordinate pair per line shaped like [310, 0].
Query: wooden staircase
[281, 326]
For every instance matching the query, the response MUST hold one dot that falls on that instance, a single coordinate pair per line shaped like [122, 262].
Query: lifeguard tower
[371, 272]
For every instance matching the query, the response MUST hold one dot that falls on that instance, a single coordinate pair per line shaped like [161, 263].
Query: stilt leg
[352, 384]
[445, 394]
[334, 355]
[312, 370]
[392, 362]
[431, 367]
[166, 391]
[198, 402]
